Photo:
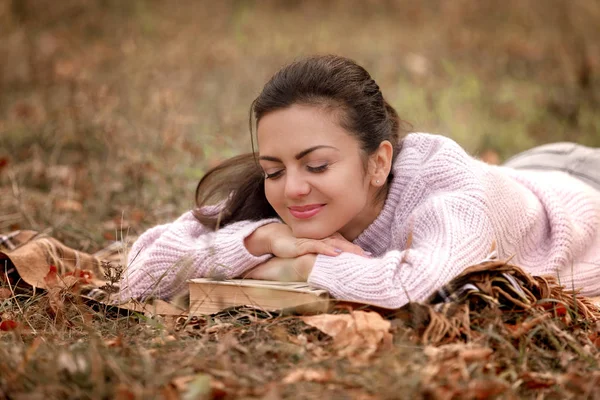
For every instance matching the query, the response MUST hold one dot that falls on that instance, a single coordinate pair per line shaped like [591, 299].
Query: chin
[312, 232]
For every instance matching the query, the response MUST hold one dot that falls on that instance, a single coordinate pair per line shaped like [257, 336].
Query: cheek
[272, 195]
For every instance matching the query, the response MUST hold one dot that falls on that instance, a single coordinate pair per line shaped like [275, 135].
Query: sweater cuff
[354, 278]
[350, 277]
[231, 255]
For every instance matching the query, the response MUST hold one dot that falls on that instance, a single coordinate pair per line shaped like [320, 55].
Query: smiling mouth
[305, 212]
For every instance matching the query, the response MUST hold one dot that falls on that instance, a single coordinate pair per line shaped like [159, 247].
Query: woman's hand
[284, 269]
[277, 239]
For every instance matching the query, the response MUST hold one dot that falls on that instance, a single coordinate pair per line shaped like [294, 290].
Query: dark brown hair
[337, 83]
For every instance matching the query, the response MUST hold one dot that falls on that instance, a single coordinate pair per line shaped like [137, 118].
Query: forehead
[298, 127]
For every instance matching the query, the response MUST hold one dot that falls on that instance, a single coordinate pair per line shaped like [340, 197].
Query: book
[209, 296]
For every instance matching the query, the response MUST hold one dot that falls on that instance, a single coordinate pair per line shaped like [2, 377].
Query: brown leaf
[5, 293]
[169, 393]
[308, 375]
[218, 327]
[464, 351]
[51, 278]
[3, 163]
[485, 388]
[180, 382]
[65, 69]
[122, 392]
[68, 205]
[472, 355]
[516, 331]
[199, 386]
[357, 335]
[114, 342]
[8, 325]
[579, 383]
[137, 215]
[537, 380]
[56, 304]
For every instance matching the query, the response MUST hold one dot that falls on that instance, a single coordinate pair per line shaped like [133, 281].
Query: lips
[305, 212]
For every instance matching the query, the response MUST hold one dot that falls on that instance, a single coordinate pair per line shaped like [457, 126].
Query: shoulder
[436, 160]
[428, 146]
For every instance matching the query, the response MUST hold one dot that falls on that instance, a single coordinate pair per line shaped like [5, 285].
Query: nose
[296, 186]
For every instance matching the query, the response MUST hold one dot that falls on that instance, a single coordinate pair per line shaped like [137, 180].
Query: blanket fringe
[501, 295]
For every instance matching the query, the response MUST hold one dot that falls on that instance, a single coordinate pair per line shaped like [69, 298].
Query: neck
[365, 218]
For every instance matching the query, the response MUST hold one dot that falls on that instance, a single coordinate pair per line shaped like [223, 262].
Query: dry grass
[110, 111]
[62, 348]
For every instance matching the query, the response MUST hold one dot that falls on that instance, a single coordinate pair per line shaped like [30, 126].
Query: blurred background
[111, 110]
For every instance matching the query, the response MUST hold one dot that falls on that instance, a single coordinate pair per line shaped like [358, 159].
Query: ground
[111, 111]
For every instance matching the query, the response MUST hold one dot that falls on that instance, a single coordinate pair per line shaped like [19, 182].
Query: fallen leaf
[516, 331]
[56, 305]
[29, 353]
[65, 69]
[199, 386]
[51, 277]
[68, 205]
[169, 392]
[162, 340]
[180, 382]
[579, 383]
[8, 325]
[109, 236]
[122, 392]
[228, 342]
[307, 375]
[5, 293]
[357, 335]
[116, 225]
[537, 380]
[115, 342]
[476, 354]
[465, 351]
[3, 163]
[218, 327]
[137, 215]
[485, 389]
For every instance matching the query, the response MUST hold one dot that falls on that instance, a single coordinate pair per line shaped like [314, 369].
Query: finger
[346, 246]
[352, 248]
[311, 246]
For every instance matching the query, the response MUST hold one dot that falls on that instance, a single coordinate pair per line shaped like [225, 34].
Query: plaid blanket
[30, 259]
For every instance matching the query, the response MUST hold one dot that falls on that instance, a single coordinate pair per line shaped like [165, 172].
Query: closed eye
[273, 175]
[320, 168]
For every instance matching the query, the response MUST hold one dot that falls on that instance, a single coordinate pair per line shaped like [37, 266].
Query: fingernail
[338, 250]
[368, 253]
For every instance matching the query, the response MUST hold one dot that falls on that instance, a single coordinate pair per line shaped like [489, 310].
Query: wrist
[258, 243]
[307, 263]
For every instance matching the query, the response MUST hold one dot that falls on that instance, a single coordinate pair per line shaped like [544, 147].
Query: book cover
[208, 296]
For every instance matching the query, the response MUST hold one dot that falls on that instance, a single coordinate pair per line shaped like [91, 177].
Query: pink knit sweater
[455, 210]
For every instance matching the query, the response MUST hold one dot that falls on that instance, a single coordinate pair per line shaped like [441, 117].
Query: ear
[380, 163]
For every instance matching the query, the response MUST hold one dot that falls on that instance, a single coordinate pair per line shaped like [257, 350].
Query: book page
[289, 286]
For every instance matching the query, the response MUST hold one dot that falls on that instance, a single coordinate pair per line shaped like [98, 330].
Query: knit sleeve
[166, 256]
[448, 232]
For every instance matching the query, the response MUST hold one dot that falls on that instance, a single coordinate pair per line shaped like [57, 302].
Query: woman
[369, 213]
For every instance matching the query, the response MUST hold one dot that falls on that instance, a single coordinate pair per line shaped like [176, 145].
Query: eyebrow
[300, 155]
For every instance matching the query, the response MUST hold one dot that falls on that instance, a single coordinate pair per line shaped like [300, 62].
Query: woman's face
[315, 174]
